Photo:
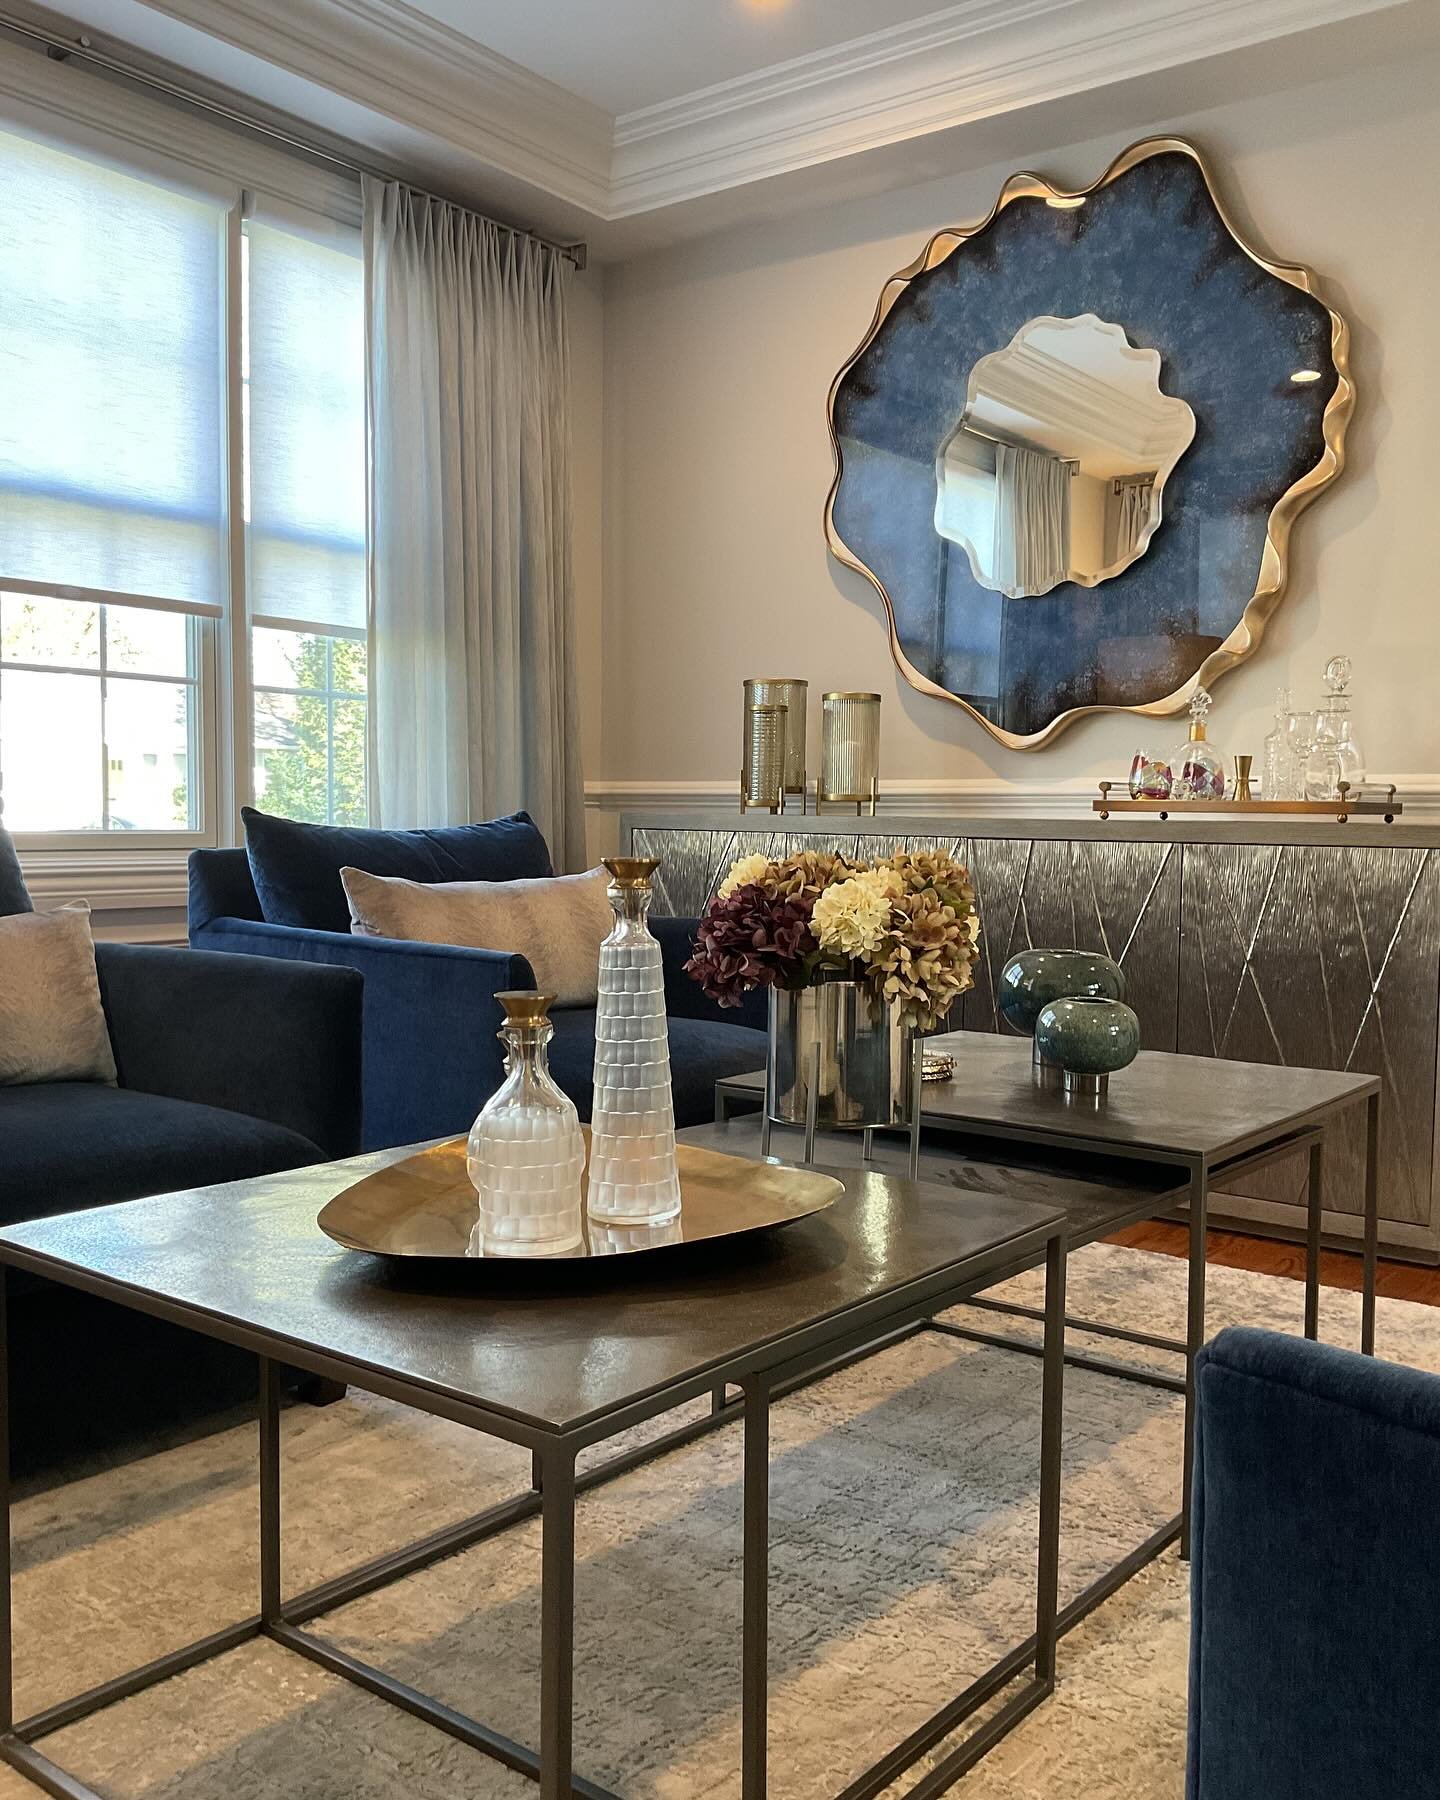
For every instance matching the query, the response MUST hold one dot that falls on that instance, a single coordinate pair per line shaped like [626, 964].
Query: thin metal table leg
[557, 1623]
[1314, 1193]
[7, 1684]
[1052, 1414]
[755, 1626]
[812, 1106]
[917, 1091]
[1194, 1334]
[270, 1602]
[1372, 1224]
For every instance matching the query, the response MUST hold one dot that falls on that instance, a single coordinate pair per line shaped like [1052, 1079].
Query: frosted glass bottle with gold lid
[525, 1154]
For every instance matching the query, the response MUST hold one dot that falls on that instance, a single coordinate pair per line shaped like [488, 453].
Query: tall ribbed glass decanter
[634, 1179]
[525, 1154]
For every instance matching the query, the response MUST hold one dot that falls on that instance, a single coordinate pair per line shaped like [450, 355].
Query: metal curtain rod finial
[81, 49]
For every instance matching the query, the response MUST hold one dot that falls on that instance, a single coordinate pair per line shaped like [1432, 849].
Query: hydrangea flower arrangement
[907, 926]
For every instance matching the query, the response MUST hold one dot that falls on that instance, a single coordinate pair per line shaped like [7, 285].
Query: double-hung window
[182, 590]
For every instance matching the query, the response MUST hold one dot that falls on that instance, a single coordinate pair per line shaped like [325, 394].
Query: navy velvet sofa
[1315, 1653]
[432, 1057]
[228, 1068]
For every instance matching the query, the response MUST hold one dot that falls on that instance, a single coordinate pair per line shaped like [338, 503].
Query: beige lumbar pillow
[52, 1025]
[556, 923]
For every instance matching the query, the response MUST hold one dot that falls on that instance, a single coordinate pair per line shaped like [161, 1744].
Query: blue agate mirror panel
[1070, 448]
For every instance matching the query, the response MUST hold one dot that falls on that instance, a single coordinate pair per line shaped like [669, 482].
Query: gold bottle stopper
[525, 1006]
[632, 871]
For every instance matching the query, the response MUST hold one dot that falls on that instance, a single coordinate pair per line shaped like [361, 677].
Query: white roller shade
[306, 362]
[111, 352]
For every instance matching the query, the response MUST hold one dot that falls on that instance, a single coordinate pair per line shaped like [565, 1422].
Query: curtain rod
[61, 49]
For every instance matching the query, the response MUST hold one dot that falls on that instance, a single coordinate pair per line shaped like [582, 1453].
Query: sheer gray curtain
[1032, 520]
[473, 709]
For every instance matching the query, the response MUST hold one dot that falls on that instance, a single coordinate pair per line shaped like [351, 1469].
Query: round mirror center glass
[1056, 469]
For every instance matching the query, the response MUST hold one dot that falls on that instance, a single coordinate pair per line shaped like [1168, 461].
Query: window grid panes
[309, 726]
[99, 717]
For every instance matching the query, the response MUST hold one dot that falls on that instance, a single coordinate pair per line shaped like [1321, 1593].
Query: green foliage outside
[297, 773]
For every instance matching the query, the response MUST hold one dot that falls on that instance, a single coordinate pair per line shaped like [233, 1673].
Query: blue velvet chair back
[221, 887]
[1315, 1594]
[14, 895]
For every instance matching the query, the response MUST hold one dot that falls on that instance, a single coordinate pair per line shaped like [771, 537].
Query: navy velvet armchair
[431, 1053]
[228, 1067]
[1315, 1652]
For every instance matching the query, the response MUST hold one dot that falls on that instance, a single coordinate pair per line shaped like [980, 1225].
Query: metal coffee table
[545, 1359]
[1205, 1118]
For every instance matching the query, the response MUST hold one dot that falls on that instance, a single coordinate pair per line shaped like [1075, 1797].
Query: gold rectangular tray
[425, 1206]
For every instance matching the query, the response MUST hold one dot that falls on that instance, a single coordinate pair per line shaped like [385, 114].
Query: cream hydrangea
[851, 917]
[745, 869]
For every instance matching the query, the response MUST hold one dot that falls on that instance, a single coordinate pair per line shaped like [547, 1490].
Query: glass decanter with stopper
[525, 1154]
[1334, 756]
[634, 1175]
[1199, 770]
[1277, 773]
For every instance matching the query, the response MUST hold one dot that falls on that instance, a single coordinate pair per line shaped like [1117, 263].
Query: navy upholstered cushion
[70, 1145]
[296, 867]
[1315, 1657]
[14, 896]
[701, 1051]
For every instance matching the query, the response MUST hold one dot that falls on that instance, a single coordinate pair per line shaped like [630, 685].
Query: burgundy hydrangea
[751, 939]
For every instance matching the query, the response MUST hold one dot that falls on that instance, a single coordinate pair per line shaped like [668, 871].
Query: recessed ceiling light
[1304, 375]
[1064, 202]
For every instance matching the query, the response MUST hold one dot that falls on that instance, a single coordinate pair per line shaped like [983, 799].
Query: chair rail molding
[947, 797]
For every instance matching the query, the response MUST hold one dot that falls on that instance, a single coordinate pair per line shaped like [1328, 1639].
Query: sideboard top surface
[1356, 834]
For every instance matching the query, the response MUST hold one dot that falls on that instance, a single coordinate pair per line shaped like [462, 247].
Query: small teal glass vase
[1032, 979]
[1088, 1037]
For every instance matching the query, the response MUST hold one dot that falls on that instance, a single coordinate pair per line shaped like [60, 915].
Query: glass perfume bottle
[1334, 755]
[1276, 770]
[634, 1178]
[1199, 771]
[525, 1154]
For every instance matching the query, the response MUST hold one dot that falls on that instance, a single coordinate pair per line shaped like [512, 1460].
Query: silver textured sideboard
[1303, 944]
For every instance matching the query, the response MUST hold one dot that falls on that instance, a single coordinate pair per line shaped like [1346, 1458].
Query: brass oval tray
[425, 1206]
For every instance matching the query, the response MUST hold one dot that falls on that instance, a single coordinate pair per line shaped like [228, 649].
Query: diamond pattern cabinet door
[1322, 957]
[1118, 897]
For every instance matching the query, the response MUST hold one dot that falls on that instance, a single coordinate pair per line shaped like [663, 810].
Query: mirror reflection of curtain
[1126, 516]
[1032, 520]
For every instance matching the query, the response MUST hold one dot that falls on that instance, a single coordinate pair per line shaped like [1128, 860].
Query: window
[304, 380]
[124, 539]
[99, 716]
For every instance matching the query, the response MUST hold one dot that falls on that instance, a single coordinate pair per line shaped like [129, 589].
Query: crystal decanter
[1199, 771]
[525, 1154]
[1334, 756]
[634, 1179]
[1277, 773]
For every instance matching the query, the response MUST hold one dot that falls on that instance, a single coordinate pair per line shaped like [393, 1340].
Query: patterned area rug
[903, 1518]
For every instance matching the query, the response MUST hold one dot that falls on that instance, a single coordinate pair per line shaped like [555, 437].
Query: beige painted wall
[718, 357]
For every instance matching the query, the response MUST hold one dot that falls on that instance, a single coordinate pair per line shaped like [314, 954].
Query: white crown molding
[395, 61]
[969, 62]
[424, 92]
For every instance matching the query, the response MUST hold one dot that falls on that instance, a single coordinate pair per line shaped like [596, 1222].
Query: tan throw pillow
[52, 1025]
[557, 923]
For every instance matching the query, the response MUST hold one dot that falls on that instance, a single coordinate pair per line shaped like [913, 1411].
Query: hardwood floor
[1234, 1250]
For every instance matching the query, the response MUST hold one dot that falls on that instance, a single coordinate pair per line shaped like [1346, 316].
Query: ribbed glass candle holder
[762, 777]
[791, 693]
[849, 749]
